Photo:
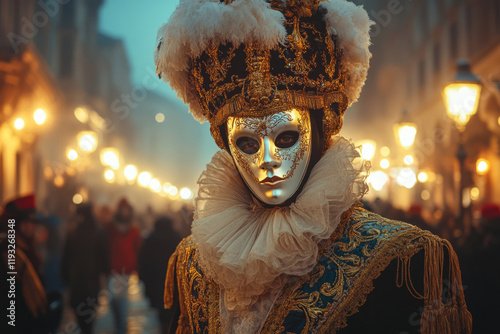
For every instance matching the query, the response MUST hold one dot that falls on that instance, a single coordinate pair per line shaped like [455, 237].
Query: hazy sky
[137, 22]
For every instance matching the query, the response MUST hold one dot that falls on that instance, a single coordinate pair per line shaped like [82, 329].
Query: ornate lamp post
[461, 97]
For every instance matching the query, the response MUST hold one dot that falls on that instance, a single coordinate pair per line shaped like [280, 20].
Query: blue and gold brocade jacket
[349, 261]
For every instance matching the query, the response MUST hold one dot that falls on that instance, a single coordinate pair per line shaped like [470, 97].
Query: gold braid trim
[181, 269]
[437, 318]
[174, 272]
[168, 293]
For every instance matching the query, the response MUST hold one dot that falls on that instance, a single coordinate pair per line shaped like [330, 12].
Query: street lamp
[405, 131]
[461, 97]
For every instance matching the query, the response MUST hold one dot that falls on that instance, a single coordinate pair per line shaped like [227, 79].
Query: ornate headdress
[253, 58]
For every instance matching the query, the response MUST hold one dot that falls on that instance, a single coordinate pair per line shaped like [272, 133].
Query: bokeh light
[110, 157]
[378, 179]
[384, 164]
[159, 117]
[19, 123]
[186, 193]
[144, 179]
[406, 178]
[109, 175]
[482, 166]
[423, 177]
[368, 148]
[408, 159]
[130, 172]
[39, 116]
[155, 185]
[81, 114]
[385, 151]
[87, 141]
[72, 154]
[77, 199]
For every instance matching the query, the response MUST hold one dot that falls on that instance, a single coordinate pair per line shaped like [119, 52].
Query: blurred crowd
[79, 264]
[89, 260]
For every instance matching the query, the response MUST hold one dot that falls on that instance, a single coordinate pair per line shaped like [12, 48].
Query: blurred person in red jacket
[125, 243]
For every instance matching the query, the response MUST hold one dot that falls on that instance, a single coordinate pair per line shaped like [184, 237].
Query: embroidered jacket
[359, 251]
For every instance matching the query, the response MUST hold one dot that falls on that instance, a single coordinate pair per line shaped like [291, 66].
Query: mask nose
[269, 160]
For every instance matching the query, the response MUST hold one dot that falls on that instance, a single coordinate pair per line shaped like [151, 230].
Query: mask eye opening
[287, 139]
[248, 145]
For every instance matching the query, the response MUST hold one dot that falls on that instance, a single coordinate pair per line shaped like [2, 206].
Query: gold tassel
[440, 318]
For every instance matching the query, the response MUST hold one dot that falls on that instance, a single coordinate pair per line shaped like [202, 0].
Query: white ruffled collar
[247, 248]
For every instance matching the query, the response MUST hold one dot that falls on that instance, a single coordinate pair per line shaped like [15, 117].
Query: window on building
[68, 14]
[434, 13]
[66, 55]
[453, 41]
[421, 74]
[409, 85]
[496, 6]
[436, 55]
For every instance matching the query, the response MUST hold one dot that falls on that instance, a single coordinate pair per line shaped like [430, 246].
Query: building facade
[416, 45]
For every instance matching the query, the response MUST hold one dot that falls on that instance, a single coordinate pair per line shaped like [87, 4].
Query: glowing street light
[384, 164]
[130, 172]
[72, 155]
[110, 157]
[39, 116]
[155, 185]
[368, 148]
[461, 97]
[144, 179]
[166, 187]
[378, 180]
[423, 177]
[109, 175]
[406, 178]
[405, 133]
[173, 191]
[408, 159]
[81, 114]
[482, 166]
[87, 141]
[186, 193]
[19, 123]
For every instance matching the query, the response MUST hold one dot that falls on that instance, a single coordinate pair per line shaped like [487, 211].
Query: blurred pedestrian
[124, 242]
[481, 272]
[415, 217]
[85, 260]
[153, 262]
[24, 298]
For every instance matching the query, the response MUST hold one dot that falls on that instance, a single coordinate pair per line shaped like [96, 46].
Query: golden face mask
[271, 153]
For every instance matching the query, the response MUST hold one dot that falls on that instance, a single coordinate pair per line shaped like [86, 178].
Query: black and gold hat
[253, 58]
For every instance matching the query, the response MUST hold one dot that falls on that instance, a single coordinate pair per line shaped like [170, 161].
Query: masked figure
[280, 243]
